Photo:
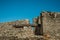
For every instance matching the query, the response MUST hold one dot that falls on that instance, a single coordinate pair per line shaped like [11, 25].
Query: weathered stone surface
[7, 29]
[51, 24]
[50, 21]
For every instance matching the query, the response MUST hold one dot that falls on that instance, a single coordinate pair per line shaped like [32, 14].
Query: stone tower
[51, 23]
[48, 23]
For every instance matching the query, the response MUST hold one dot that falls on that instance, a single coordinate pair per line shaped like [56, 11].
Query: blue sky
[11, 10]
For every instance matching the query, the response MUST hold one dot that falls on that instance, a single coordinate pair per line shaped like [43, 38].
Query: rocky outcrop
[7, 29]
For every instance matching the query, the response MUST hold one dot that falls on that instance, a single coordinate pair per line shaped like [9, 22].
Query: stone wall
[9, 32]
[50, 28]
[51, 24]
[7, 29]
